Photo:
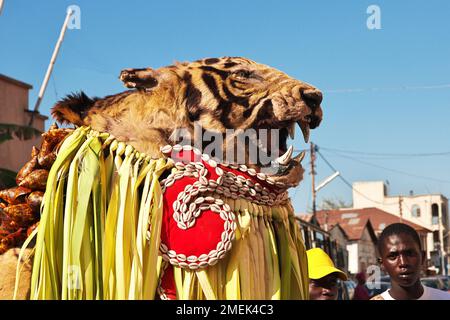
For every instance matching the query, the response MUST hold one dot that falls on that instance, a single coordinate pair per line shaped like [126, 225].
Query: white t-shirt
[428, 294]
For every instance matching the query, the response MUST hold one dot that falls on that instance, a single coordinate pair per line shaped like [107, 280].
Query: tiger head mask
[218, 94]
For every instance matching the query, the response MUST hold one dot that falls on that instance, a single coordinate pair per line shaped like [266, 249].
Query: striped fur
[219, 93]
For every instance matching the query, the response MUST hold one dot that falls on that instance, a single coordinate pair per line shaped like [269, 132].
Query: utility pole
[313, 173]
[400, 201]
[441, 243]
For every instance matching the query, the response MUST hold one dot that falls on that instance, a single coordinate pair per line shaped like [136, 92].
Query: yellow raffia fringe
[99, 234]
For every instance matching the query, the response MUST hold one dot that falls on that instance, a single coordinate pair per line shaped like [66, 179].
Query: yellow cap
[320, 265]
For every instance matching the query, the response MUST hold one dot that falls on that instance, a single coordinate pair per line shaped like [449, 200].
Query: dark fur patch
[265, 114]
[231, 97]
[225, 109]
[247, 113]
[212, 85]
[73, 108]
[193, 97]
[211, 60]
[221, 73]
[229, 64]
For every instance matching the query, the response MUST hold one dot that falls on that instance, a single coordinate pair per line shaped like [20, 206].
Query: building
[334, 242]
[429, 211]
[361, 238]
[339, 251]
[14, 110]
[352, 220]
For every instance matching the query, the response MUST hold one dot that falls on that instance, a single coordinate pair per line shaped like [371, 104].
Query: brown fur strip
[72, 108]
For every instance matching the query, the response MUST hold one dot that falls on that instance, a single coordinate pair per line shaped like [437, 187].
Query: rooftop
[15, 82]
[353, 221]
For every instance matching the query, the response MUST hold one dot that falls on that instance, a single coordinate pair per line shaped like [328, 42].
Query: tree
[332, 204]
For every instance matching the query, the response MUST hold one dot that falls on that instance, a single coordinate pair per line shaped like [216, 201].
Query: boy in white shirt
[401, 257]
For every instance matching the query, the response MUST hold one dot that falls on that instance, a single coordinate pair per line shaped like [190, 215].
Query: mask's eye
[245, 74]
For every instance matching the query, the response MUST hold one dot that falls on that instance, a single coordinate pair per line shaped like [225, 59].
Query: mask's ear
[139, 78]
[73, 108]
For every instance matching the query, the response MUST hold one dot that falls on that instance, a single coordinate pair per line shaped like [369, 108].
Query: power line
[389, 154]
[378, 89]
[301, 150]
[54, 87]
[326, 161]
[346, 181]
[393, 170]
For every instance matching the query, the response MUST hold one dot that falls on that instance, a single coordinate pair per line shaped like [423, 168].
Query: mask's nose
[313, 98]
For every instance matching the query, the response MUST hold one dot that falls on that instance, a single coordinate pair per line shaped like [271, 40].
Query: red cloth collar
[198, 227]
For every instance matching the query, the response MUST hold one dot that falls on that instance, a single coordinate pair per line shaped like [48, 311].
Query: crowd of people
[400, 256]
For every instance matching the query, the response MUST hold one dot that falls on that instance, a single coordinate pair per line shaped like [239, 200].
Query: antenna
[327, 180]
[70, 11]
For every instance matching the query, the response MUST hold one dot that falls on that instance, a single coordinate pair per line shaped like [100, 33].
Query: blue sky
[385, 91]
